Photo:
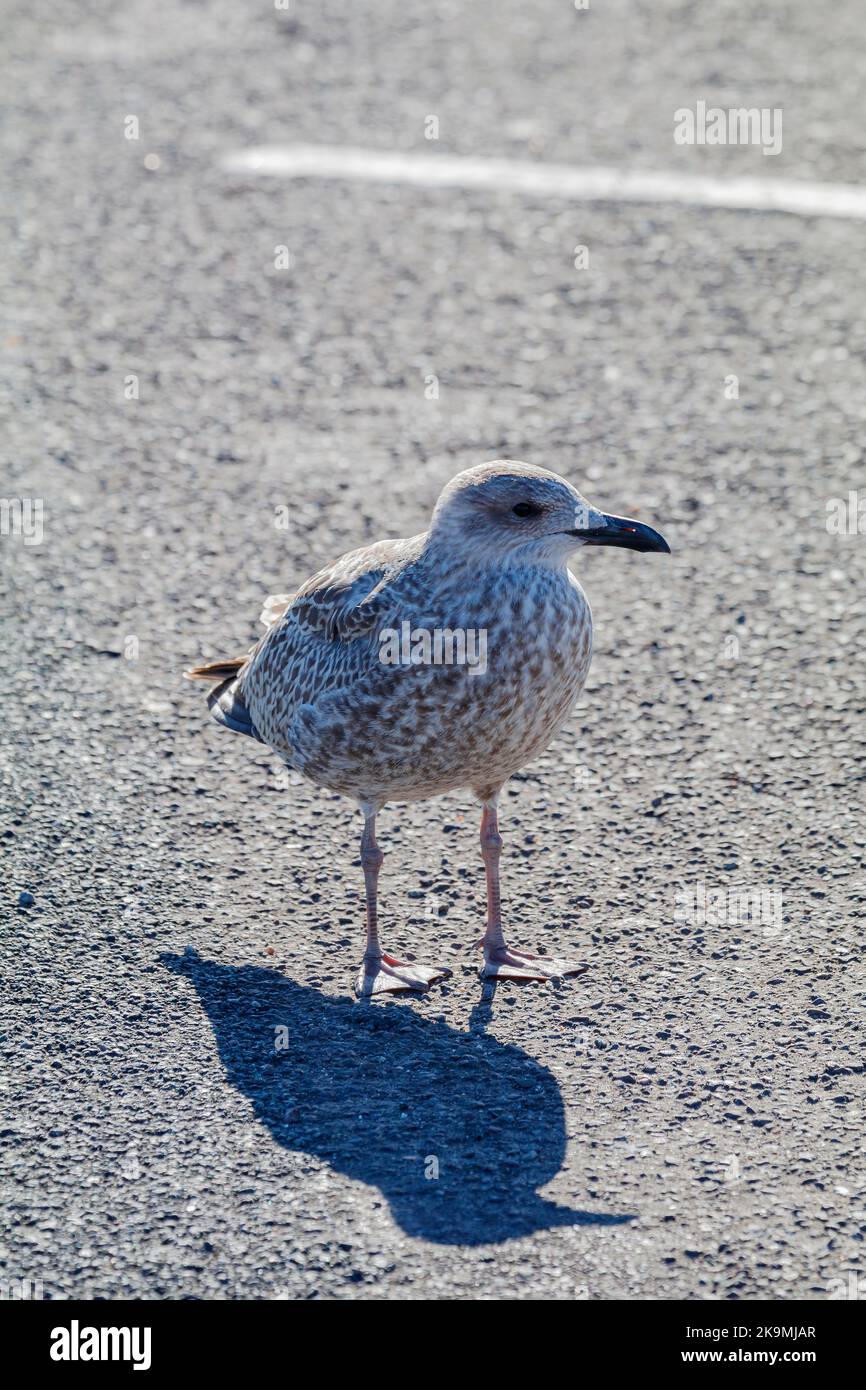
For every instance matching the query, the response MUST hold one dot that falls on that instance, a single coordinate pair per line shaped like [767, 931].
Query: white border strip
[548, 180]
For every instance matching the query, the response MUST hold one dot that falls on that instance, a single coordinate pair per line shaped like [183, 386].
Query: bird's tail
[216, 670]
[225, 701]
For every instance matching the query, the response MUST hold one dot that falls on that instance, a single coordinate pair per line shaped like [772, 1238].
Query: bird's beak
[623, 531]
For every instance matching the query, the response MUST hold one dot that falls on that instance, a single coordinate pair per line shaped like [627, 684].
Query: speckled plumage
[493, 567]
[319, 694]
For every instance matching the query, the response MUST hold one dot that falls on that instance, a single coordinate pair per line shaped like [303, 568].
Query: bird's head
[529, 516]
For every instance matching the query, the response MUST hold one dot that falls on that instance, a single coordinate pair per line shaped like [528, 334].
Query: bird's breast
[460, 692]
[539, 654]
[529, 643]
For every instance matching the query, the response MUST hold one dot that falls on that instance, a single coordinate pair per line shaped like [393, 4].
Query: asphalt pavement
[195, 1106]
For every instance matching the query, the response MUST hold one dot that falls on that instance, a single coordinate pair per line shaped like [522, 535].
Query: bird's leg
[371, 862]
[500, 961]
[380, 973]
[491, 851]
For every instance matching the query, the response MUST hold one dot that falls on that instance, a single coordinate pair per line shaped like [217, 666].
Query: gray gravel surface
[683, 1121]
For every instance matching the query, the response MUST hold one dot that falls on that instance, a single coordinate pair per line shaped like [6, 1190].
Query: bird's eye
[526, 509]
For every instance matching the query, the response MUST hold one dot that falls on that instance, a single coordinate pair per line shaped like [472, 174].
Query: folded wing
[310, 645]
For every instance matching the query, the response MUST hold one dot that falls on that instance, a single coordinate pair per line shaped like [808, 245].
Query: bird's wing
[345, 599]
[340, 601]
[308, 648]
[325, 638]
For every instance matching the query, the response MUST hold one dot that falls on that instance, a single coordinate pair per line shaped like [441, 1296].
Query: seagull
[413, 667]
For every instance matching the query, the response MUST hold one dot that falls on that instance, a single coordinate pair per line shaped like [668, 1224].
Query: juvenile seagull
[411, 667]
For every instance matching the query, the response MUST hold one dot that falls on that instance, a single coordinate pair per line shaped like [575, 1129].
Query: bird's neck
[460, 555]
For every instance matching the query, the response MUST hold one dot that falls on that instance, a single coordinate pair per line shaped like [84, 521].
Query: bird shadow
[457, 1130]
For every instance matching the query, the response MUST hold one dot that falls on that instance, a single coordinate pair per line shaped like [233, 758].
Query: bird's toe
[387, 975]
[504, 963]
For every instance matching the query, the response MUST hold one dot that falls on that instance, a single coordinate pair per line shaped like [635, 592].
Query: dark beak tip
[628, 534]
[648, 539]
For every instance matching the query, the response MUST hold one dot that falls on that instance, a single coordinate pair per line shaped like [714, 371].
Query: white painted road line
[549, 180]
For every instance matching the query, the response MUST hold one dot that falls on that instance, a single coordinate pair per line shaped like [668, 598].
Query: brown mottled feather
[314, 687]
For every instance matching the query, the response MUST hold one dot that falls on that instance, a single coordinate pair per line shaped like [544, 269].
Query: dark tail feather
[225, 701]
[227, 707]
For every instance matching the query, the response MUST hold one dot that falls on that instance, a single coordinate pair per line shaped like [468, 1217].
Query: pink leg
[500, 961]
[380, 973]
